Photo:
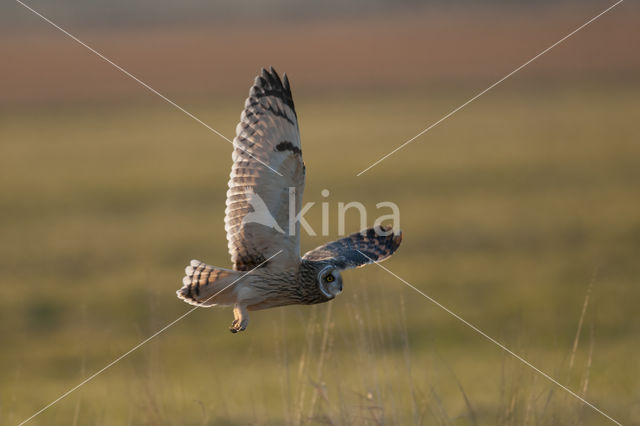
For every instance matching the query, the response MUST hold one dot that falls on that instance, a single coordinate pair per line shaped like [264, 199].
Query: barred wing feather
[257, 213]
[359, 249]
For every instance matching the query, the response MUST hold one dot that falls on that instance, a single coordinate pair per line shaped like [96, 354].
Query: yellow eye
[329, 278]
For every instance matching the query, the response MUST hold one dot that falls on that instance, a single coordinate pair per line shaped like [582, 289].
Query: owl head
[330, 281]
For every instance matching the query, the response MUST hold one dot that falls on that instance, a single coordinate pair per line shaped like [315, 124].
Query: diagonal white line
[91, 377]
[491, 339]
[491, 87]
[151, 89]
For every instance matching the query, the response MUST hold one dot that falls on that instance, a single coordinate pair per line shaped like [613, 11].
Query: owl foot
[241, 319]
[237, 325]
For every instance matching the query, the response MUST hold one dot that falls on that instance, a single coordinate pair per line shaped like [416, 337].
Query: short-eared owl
[268, 135]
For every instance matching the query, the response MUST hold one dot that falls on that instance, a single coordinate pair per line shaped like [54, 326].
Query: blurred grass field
[509, 210]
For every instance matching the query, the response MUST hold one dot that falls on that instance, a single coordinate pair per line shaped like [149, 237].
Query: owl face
[330, 282]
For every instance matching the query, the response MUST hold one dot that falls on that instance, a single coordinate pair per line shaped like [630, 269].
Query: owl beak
[336, 289]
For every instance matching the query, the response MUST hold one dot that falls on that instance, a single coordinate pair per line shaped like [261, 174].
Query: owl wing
[359, 249]
[267, 161]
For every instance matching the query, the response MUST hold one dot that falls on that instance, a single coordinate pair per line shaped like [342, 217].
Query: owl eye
[330, 278]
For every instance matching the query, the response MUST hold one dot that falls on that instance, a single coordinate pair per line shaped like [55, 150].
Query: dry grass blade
[576, 340]
[323, 352]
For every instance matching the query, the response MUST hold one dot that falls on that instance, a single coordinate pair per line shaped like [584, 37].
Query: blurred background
[520, 212]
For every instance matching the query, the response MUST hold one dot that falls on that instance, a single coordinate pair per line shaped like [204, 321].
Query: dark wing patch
[288, 146]
[361, 248]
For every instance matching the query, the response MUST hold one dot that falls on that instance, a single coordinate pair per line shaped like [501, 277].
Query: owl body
[298, 287]
[206, 285]
[268, 270]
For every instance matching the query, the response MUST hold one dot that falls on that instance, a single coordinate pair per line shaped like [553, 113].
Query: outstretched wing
[359, 249]
[267, 161]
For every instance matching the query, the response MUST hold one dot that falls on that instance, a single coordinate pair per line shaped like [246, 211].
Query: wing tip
[392, 237]
[269, 80]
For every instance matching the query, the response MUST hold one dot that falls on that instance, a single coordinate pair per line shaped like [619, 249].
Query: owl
[263, 241]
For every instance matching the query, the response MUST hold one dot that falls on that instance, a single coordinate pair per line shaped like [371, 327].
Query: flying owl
[267, 268]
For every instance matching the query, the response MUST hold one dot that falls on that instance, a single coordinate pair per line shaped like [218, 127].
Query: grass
[508, 208]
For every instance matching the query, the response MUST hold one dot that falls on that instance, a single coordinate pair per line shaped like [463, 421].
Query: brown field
[424, 48]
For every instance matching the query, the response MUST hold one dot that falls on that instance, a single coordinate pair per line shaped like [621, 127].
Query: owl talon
[237, 326]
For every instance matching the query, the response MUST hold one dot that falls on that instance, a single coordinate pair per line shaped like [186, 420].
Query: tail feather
[206, 285]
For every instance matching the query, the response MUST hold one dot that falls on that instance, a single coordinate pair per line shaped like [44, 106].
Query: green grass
[509, 210]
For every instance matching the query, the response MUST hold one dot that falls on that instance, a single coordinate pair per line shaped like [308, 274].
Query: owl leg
[241, 318]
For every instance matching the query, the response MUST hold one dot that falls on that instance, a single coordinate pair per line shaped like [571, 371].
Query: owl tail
[206, 285]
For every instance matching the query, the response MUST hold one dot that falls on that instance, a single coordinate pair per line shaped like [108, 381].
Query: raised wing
[359, 249]
[267, 161]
